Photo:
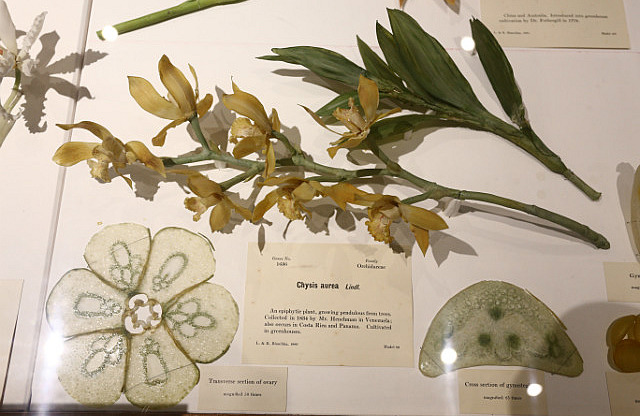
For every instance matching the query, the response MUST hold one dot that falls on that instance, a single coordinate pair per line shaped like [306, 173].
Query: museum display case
[336, 207]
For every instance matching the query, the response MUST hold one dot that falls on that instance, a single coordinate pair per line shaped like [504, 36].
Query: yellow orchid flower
[291, 195]
[359, 124]
[111, 151]
[342, 193]
[385, 209]
[209, 194]
[182, 103]
[252, 132]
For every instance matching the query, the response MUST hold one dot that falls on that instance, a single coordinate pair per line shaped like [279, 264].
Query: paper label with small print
[557, 23]
[10, 294]
[508, 392]
[240, 388]
[328, 304]
[622, 281]
[624, 393]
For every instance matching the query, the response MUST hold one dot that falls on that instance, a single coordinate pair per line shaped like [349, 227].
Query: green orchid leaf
[323, 62]
[397, 64]
[341, 101]
[425, 57]
[392, 129]
[499, 71]
[376, 66]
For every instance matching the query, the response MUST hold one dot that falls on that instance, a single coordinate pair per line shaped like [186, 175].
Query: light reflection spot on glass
[109, 33]
[448, 355]
[534, 389]
[467, 44]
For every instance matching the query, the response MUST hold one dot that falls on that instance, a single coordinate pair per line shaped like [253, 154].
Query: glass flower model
[140, 317]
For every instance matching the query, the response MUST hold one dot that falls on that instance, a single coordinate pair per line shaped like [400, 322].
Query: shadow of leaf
[443, 244]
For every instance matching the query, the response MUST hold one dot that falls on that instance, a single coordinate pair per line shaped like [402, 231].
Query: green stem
[241, 177]
[181, 9]
[582, 230]
[434, 191]
[285, 140]
[526, 139]
[16, 94]
[195, 124]
[431, 190]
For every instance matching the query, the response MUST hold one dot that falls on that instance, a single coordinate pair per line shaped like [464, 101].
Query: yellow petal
[367, 199]
[220, 215]
[204, 105]
[350, 117]
[265, 205]
[343, 193]
[318, 119]
[196, 88]
[243, 127]
[248, 145]
[246, 214]
[387, 113]
[422, 238]
[270, 161]
[379, 226]
[247, 105]
[143, 154]
[71, 153]
[203, 186]
[275, 120]
[178, 86]
[304, 192]
[198, 183]
[151, 101]
[197, 205]
[99, 170]
[279, 180]
[95, 128]
[369, 97]
[423, 218]
[290, 208]
[160, 138]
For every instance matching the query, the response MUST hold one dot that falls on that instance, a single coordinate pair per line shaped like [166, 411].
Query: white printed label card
[622, 281]
[504, 392]
[624, 393]
[242, 388]
[328, 304]
[557, 23]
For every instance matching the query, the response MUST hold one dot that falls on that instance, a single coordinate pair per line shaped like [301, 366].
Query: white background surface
[583, 103]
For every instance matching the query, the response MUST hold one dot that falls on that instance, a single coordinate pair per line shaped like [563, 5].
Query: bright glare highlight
[109, 33]
[468, 44]
[534, 389]
[448, 356]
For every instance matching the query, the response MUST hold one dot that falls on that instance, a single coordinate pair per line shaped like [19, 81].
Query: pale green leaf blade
[499, 71]
[323, 62]
[376, 66]
[425, 56]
